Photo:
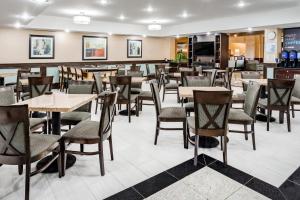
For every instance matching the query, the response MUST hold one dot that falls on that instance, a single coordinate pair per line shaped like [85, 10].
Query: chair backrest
[124, 85]
[184, 74]
[82, 87]
[197, 81]
[21, 75]
[213, 76]
[156, 97]
[98, 82]
[296, 91]
[14, 134]
[211, 112]
[39, 85]
[73, 73]
[249, 75]
[148, 69]
[159, 69]
[135, 68]
[279, 92]
[79, 74]
[251, 99]
[135, 73]
[7, 96]
[199, 69]
[107, 114]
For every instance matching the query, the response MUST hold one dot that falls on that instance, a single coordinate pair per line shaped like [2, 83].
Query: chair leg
[111, 148]
[293, 110]
[97, 101]
[225, 151]
[268, 120]
[246, 130]
[164, 93]
[27, 180]
[196, 150]
[253, 136]
[221, 143]
[137, 105]
[101, 160]
[185, 143]
[20, 169]
[156, 132]
[288, 119]
[129, 112]
[81, 148]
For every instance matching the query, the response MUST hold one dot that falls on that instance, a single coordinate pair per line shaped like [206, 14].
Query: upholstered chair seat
[40, 143]
[75, 117]
[239, 117]
[173, 114]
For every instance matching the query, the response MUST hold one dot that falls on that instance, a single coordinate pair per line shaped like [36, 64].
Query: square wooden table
[187, 92]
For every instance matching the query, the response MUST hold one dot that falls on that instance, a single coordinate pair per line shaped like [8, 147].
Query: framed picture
[41, 47]
[94, 48]
[134, 49]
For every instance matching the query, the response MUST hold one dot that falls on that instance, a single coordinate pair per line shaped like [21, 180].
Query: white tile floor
[137, 159]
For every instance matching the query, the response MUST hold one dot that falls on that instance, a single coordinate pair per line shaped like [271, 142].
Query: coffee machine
[293, 58]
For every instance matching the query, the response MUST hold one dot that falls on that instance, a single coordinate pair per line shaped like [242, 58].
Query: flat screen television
[204, 49]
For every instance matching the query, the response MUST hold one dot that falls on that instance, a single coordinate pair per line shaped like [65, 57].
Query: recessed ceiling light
[122, 17]
[154, 27]
[40, 1]
[249, 29]
[149, 9]
[17, 25]
[177, 36]
[110, 33]
[104, 2]
[235, 35]
[67, 30]
[241, 4]
[184, 14]
[25, 16]
[144, 36]
[208, 33]
[81, 19]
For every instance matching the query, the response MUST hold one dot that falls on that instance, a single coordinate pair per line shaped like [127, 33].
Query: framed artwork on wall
[94, 48]
[41, 47]
[134, 49]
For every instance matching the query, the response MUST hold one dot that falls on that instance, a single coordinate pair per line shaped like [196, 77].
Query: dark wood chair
[19, 147]
[7, 98]
[135, 68]
[247, 115]
[158, 70]
[39, 85]
[150, 75]
[124, 95]
[279, 98]
[79, 73]
[225, 80]
[92, 132]
[66, 78]
[249, 75]
[211, 117]
[194, 81]
[136, 88]
[213, 76]
[61, 77]
[168, 114]
[295, 100]
[170, 87]
[185, 74]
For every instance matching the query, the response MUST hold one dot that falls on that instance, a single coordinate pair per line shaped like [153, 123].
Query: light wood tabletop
[218, 71]
[263, 82]
[7, 74]
[58, 102]
[187, 92]
[178, 75]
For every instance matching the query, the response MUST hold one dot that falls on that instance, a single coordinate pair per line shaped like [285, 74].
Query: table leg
[56, 130]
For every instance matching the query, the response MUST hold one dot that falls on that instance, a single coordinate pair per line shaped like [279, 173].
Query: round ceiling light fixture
[154, 27]
[81, 19]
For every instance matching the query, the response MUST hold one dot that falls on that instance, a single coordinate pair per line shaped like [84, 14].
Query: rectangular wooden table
[187, 92]
[133, 80]
[262, 82]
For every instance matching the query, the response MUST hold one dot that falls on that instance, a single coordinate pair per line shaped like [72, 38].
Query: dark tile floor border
[289, 190]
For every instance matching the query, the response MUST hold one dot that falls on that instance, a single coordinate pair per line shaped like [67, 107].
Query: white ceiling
[105, 18]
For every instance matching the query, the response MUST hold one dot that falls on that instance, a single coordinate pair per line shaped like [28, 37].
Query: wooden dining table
[57, 103]
[187, 92]
[133, 80]
[210, 70]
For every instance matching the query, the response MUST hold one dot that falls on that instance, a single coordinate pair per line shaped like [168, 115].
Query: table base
[125, 112]
[53, 168]
[264, 118]
[205, 142]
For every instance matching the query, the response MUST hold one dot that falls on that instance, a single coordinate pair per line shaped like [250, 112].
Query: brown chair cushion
[172, 114]
[87, 130]
[40, 143]
[237, 116]
[189, 107]
[75, 116]
[263, 102]
[295, 100]
[36, 121]
[238, 98]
